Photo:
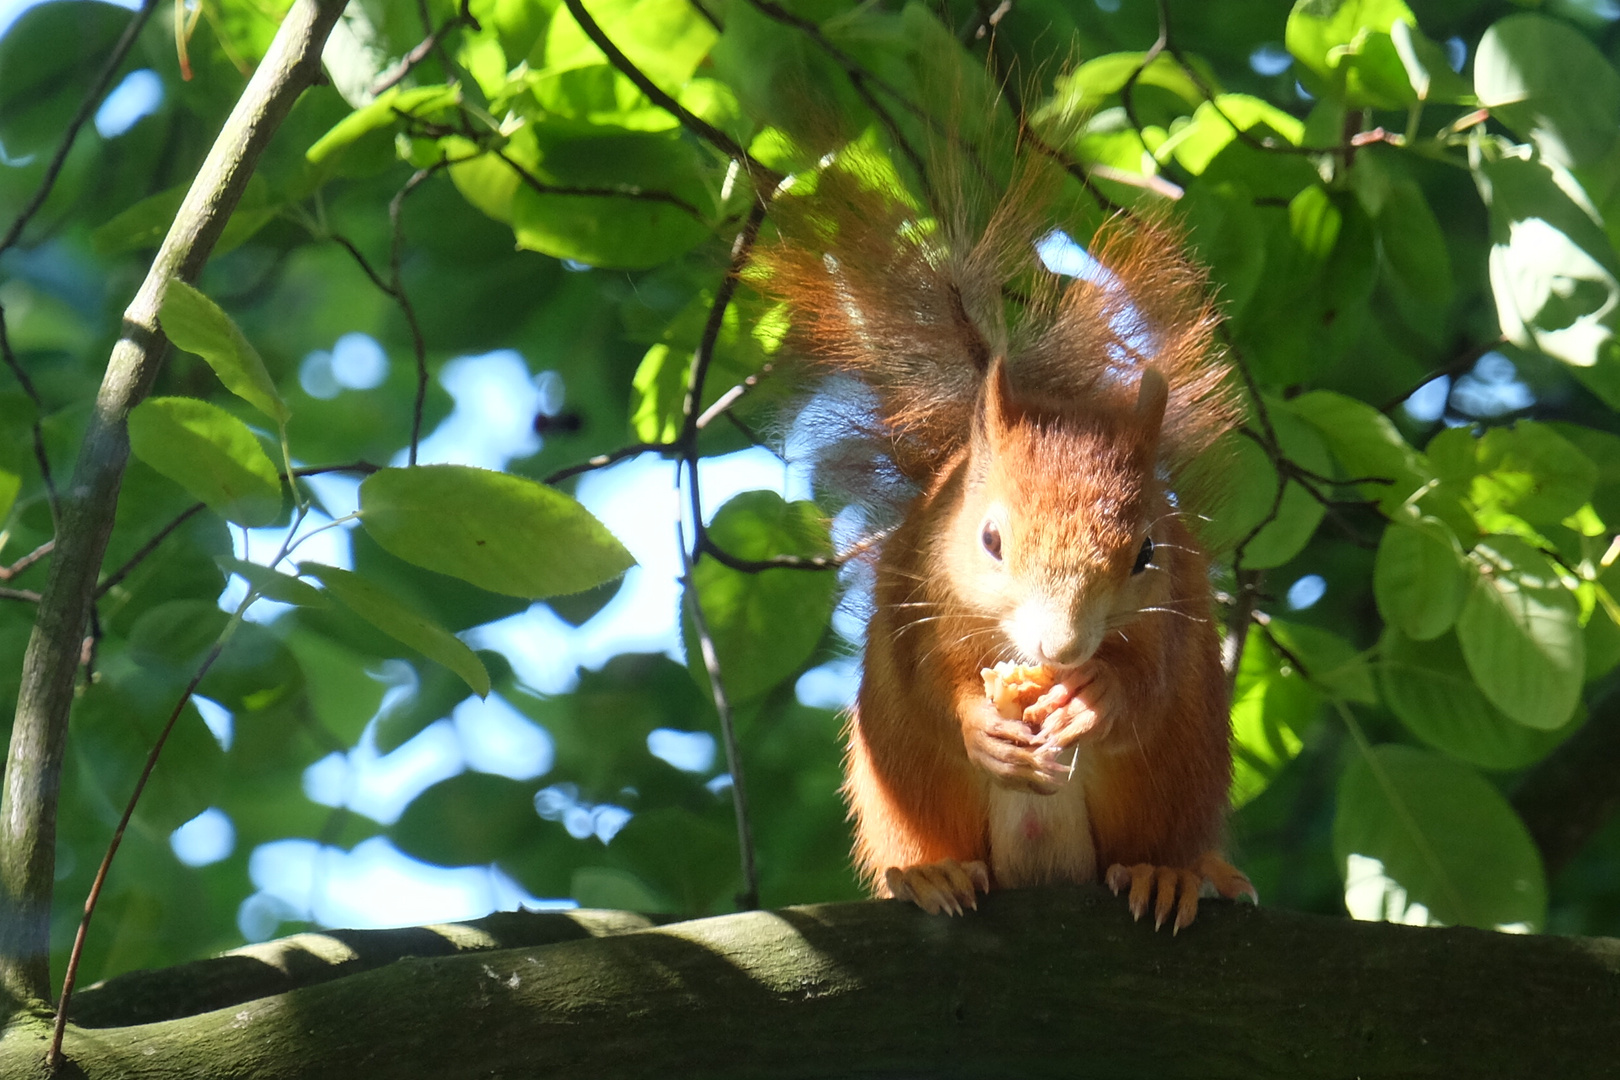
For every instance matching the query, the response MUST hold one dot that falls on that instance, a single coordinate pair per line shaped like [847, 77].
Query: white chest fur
[1036, 839]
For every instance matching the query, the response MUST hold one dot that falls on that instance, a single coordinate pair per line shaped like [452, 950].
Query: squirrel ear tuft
[996, 403]
[1152, 395]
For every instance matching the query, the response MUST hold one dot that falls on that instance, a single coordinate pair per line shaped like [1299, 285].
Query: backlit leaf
[504, 533]
[211, 454]
[401, 623]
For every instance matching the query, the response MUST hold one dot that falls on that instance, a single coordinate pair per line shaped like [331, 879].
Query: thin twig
[541, 187]
[87, 109]
[9, 572]
[72, 972]
[612, 457]
[146, 549]
[741, 251]
[365, 467]
[10, 358]
[424, 49]
[1237, 626]
[1127, 93]
[748, 899]
[396, 256]
[27, 596]
[775, 562]
[764, 177]
[725, 401]
[1462, 363]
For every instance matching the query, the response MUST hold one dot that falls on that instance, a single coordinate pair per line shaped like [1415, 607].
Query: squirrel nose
[1070, 649]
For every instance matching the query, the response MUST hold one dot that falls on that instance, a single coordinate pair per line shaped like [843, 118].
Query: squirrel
[1037, 431]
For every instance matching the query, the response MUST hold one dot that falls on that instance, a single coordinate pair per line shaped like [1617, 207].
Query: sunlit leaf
[272, 584]
[1427, 684]
[1420, 578]
[196, 324]
[401, 623]
[211, 454]
[1424, 839]
[504, 533]
[1547, 82]
[765, 625]
[1520, 632]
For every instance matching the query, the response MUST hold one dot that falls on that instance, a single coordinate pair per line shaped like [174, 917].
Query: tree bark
[39, 731]
[1040, 982]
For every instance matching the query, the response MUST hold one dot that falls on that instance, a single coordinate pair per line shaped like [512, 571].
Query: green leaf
[1367, 444]
[665, 39]
[1423, 839]
[272, 584]
[1554, 273]
[1273, 706]
[1547, 82]
[470, 819]
[1412, 242]
[142, 227]
[1092, 83]
[1531, 471]
[1368, 53]
[1420, 578]
[684, 857]
[504, 533]
[1332, 664]
[401, 623]
[10, 485]
[211, 454]
[766, 625]
[1214, 127]
[612, 197]
[1249, 486]
[343, 150]
[1428, 69]
[115, 725]
[1521, 635]
[196, 324]
[1427, 685]
[48, 59]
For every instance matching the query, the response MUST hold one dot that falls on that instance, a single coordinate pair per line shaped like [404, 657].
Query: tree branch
[1053, 982]
[33, 767]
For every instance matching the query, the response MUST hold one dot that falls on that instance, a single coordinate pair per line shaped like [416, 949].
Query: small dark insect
[563, 423]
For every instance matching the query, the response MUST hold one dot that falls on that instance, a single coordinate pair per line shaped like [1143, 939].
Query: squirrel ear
[998, 396]
[1152, 395]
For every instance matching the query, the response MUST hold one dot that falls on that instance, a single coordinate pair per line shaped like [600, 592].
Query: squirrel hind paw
[945, 887]
[1226, 879]
[1176, 889]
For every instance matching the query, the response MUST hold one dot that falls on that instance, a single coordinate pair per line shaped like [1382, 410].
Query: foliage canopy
[1411, 226]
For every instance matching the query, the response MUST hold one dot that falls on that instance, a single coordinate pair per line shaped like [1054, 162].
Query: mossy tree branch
[1047, 982]
[33, 768]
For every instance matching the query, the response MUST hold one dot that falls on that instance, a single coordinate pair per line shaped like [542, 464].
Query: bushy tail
[914, 307]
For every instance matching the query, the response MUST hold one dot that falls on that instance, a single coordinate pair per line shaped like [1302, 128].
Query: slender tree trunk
[39, 732]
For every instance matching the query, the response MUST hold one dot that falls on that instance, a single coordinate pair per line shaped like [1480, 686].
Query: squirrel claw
[1175, 888]
[942, 888]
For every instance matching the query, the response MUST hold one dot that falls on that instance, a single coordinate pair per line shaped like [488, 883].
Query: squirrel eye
[990, 537]
[1145, 556]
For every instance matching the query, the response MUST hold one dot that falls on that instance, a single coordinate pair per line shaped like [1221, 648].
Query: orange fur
[1067, 449]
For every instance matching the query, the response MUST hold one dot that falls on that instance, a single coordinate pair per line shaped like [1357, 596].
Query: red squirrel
[1041, 428]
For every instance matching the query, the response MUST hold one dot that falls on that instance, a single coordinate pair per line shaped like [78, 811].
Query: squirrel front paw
[1013, 754]
[1082, 706]
[944, 887]
[1177, 888]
